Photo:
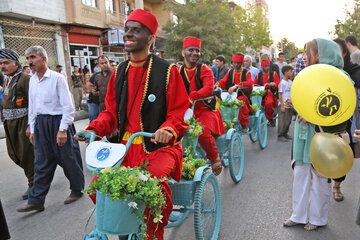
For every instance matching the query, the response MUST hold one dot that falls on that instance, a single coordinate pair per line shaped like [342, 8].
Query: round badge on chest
[151, 98]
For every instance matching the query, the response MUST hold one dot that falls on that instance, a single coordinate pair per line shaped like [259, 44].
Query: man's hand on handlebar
[162, 136]
[272, 84]
[85, 139]
[232, 89]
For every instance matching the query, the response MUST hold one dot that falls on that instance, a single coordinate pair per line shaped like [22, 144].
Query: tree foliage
[351, 24]
[288, 48]
[221, 30]
[251, 28]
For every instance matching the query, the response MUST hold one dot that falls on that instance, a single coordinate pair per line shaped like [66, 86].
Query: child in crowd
[285, 115]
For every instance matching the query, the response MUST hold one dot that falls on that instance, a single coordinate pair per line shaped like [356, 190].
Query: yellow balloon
[330, 155]
[323, 95]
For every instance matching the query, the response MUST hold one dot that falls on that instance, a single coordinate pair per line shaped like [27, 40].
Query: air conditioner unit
[115, 36]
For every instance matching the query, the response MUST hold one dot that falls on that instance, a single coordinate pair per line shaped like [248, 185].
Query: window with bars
[20, 36]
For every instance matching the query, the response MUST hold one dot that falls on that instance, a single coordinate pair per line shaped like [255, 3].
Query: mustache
[4, 69]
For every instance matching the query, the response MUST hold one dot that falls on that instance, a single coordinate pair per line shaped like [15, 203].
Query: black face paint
[192, 55]
[136, 36]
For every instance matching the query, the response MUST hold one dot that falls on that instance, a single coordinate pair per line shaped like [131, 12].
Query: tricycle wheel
[253, 136]
[236, 158]
[225, 160]
[207, 205]
[262, 130]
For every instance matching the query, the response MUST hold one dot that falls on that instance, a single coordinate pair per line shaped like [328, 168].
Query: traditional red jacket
[236, 79]
[266, 79]
[208, 118]
[176, 102]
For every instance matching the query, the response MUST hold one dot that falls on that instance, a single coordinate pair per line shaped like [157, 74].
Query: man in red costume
[146, 93]
[270, 100]
[199, 83]
[234, 79]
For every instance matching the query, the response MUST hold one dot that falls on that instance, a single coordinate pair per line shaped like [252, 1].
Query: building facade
[26, 24]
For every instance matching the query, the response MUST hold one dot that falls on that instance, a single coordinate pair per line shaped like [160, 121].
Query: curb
[79, 115]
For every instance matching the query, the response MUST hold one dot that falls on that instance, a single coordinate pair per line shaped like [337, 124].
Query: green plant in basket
[258, 93]
[228, 125]
[231, 103]
[195, 128]
[190, 164]
[255, 108]
[121, 183]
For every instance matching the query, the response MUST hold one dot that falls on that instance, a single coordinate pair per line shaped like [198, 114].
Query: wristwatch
[62, 130]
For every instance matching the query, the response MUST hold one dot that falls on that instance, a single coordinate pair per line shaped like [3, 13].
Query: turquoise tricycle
[200, 196]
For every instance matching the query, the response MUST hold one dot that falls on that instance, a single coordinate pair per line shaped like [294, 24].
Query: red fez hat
[146, 18]
[238, 58]
[265, 63]
[191, 42]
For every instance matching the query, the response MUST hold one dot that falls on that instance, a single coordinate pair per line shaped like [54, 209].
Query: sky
[303, 20]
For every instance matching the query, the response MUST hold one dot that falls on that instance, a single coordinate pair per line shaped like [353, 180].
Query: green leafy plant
[258, 93]
[232, 103]
[190, 164]
[255, 108]
[195, 128]
[228, 125]
[121, 183]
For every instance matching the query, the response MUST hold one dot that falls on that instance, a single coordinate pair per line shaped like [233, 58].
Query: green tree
[351, 24]
[288, 48]
[221, 30]
[210, 20]
[252, 28]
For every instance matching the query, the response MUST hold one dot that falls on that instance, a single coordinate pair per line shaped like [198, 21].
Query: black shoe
[288, 137]
[282, 139]
[72, 198]
[31, 207]
[244, 128]
[272, 123]
[26, 194]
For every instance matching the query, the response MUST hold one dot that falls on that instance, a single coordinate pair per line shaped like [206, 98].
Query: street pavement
[252, 209]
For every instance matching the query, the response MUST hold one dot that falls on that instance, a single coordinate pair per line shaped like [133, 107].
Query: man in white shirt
[248, 66]
[51, 116]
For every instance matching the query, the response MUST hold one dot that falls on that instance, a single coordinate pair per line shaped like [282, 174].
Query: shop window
[88, 56]
[90, 3]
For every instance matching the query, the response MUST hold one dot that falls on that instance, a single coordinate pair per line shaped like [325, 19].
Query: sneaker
[288, 136]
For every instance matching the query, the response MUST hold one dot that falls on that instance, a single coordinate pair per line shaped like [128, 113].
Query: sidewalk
[82, 114]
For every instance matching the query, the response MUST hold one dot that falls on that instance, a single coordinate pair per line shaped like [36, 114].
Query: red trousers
[244, 111]
[207, 142]
[269, 102]
[161, 163]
